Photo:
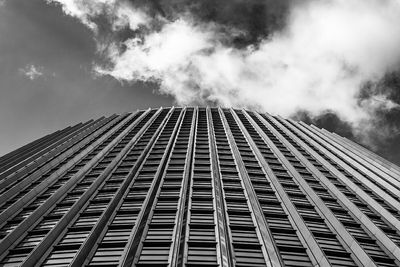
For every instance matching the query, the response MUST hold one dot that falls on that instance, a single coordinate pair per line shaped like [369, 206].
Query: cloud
[120, 13]
[31, 71]
[318, 59]
[84, 10]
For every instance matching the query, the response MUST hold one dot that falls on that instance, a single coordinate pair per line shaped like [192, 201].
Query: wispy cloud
[31, 71]
[319, 60]
[119, 12]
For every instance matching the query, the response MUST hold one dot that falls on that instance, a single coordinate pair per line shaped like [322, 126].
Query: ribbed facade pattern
[197, 186]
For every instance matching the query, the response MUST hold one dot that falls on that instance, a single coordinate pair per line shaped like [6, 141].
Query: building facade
[197, 187]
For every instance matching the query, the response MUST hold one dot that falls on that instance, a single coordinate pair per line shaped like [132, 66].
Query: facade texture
[197, 187]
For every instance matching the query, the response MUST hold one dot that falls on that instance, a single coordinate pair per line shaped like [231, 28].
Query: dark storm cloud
[386, 122]
[256, 19]
[388, 147]
[388, 85]
[384, 136]
[328, 120]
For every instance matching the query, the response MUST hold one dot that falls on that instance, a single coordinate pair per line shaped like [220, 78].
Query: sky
[333, 63]
[38, 38]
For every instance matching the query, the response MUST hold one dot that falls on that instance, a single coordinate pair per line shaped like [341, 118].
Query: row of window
[156, 247]
[14, 221]
[372, 249]
[98, 204]
[291, 250]
[355, 199]
[380, 199]
[200, 245]
[80, 230]
[247, 249]
[28, 150]
[345, 161]
[20, 178]
[118, 233]
[389, 179]
[38, 149]
[325, 237]
[54, 216]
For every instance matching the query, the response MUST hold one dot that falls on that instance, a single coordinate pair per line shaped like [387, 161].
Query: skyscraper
[197, 187]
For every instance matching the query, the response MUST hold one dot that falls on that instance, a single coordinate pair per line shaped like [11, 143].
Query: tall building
[197, 187]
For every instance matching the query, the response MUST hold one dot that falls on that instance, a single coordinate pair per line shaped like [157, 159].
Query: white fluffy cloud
[85, 10]
[119, 12]
[318, 62]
